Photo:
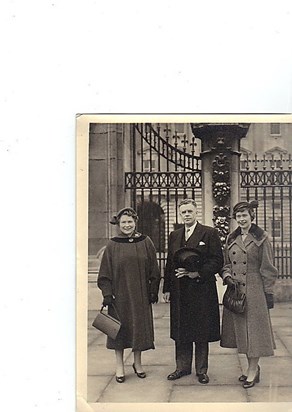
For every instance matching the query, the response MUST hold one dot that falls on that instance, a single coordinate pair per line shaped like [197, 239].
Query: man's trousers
[184, 356]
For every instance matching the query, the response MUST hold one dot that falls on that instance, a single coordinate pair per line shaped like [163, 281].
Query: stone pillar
[220, 171]
[106, 194]
[106, 181]
[220, 154]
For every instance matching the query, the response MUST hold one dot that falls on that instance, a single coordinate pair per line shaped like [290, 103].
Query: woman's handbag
[234, 300]
[107, 323]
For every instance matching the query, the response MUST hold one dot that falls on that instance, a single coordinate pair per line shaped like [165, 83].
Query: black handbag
[234, 300]
[107, 323]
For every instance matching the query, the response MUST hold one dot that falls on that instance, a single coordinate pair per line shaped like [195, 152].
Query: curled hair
[128, 211]
[187, 202]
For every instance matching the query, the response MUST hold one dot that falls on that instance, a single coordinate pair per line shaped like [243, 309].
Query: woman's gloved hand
[153, 298]
[270, 300]
[108, 300]
[229, 281]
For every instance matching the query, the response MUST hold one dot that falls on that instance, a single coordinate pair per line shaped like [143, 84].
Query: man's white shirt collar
[189, 230]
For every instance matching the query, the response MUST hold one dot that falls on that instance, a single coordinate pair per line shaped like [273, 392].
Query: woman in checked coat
[249, 263]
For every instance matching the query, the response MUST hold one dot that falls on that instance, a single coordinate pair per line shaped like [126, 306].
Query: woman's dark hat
[239, 207]
[188, 258]
[126, 210]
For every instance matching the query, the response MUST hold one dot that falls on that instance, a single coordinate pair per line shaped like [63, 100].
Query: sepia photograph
[184, 268]
[146, 215]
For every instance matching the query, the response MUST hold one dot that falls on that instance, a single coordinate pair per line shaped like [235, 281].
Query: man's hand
[193, 275]
[180, 272]
[166, 297]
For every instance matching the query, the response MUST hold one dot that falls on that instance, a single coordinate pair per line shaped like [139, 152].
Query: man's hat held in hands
[187, 258]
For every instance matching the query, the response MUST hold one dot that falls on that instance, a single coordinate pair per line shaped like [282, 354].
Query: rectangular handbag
[234, 300]
[107, 323]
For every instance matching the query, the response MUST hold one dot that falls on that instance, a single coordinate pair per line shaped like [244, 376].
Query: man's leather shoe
[177, 374]
[203, 378]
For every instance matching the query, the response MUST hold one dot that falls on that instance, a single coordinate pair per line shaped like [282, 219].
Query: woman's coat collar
[255, 234]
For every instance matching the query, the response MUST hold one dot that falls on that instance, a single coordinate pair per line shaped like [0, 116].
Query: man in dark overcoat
[191, 290]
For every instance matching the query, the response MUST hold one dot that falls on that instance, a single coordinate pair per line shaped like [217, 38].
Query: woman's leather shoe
[139, 374]
[203, 378]
[177, 374]
[242, 378]
[250, 384]
[120, 379]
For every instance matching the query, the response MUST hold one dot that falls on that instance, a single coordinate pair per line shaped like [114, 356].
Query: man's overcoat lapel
[196, 236]
[193, 240]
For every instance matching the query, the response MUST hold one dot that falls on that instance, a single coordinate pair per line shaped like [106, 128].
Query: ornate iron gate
[269, 180]
[165, 168]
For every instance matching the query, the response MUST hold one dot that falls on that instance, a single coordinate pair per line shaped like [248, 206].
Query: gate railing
[168, 146]
[162, 180]
[269, 180]
[282, 256]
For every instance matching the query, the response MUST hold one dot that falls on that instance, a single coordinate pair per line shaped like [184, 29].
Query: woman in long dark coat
[129, 277]
[249, 263]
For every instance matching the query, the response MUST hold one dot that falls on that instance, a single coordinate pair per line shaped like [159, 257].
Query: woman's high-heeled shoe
[242, 378]
[250, 384]
[139, 374]
[120, 379]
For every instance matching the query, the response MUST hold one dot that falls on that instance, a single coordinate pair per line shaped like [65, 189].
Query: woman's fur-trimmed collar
[258, 233]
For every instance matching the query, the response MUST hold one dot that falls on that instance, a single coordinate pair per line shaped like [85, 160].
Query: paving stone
[188, 380]
[224, 369]
[163, 339]
[287, 341]
[225, 365]
[270, 394]
[154, 388]
[275, 371]
[208, 393]
[281, 321]
[102, 361]
[284, 330]
[280, 350]
[281, 309]
[159, 356]
[215, 348]
[96, 338]
[95, 386]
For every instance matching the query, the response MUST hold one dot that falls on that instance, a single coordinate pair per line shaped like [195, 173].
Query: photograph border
[82, 151]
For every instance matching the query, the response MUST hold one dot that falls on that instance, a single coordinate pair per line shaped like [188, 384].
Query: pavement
[225, 365]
